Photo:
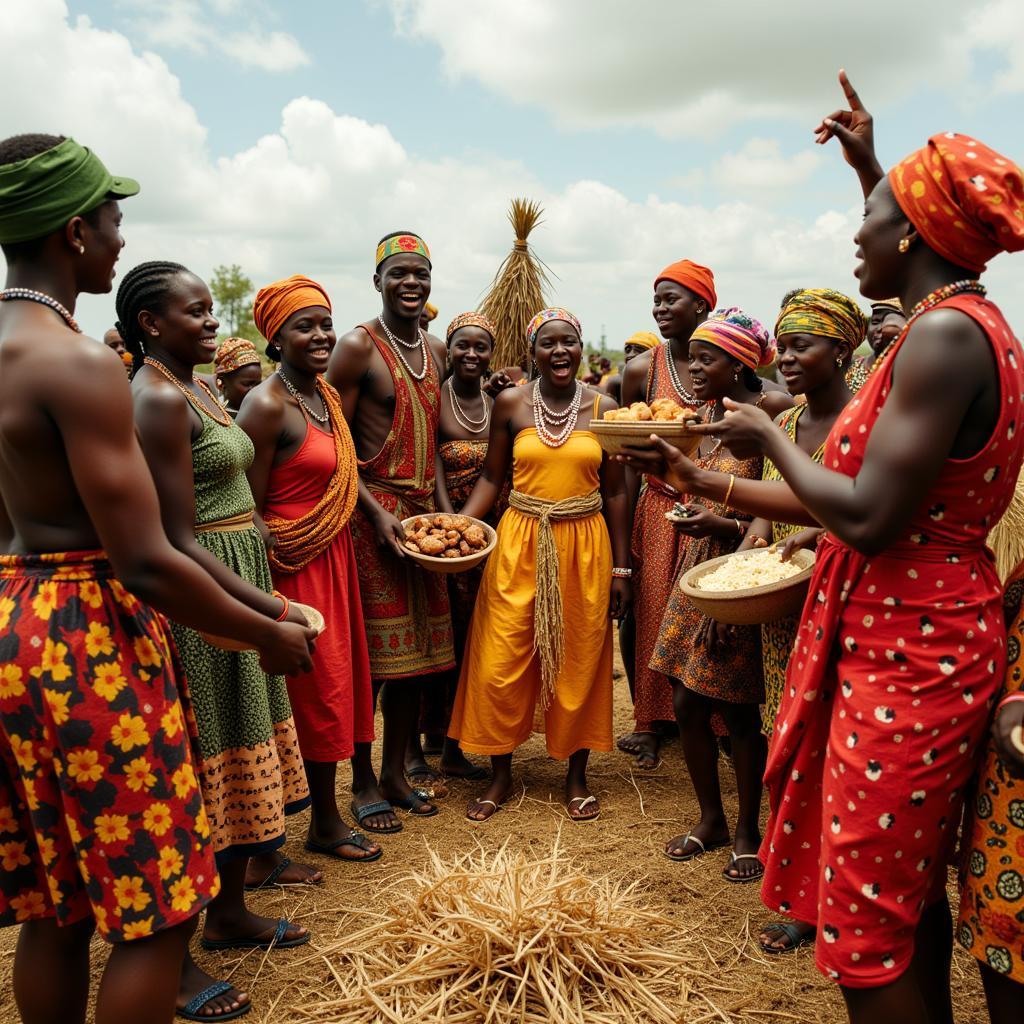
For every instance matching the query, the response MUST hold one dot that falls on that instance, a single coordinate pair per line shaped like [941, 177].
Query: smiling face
[677, 311]
[632, 351]
[558, 351]
[403, 281]
[185, 326]
[469, 352]
[306, 339]
[236, 385]
[101, 237]
[713, 373]
[882, 270]
[807, 362]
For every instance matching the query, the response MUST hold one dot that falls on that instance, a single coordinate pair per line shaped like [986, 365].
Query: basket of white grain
[749, 587]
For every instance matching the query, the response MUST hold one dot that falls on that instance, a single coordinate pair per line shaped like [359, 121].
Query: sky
[288, 137]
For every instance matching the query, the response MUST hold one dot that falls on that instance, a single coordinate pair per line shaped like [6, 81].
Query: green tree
[232, 296]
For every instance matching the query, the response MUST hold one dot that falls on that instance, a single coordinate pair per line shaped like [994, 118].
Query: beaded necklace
[546, 419]
[398, 344]
[220, 416]
[462, 417]
[30, 295]
[294, 392]
[673, 375]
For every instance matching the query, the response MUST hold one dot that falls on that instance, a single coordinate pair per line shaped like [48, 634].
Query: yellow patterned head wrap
[644, 339]
[825, 313]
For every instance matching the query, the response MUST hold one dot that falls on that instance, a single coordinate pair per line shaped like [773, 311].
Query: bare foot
[195, 980]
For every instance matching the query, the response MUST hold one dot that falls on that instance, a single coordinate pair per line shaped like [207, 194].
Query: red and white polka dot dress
[888, 696]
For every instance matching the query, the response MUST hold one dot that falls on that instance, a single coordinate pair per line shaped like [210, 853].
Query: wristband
[284, 610]
[1010, 698]
[622, 573]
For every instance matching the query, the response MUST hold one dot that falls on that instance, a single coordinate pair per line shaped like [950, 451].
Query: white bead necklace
[294, 392]
[543, 416]
[462, 417]
[673, 375]
[398, 344]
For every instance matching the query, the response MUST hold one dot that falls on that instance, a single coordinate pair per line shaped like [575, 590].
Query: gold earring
[904, 245]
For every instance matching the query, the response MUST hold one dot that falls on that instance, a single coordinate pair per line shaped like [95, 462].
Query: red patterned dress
[656, 549]
[888, 695]
[408, 624]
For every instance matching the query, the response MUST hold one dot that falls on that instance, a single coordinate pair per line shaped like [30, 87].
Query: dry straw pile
[501, 937]
[517, 292]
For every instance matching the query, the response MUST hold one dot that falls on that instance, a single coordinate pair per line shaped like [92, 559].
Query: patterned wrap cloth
[408, 622]
[824, 313]
[888, 693]
[100, 811]
[399, 243]
[553, 313]
[235, 353]
[737, 333]
[470, 320]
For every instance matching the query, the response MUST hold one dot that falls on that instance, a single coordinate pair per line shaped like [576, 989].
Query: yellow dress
[500, 682]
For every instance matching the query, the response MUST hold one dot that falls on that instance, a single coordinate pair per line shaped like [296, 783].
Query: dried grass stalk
[1007, 537]
[496, 938]
[517, 291]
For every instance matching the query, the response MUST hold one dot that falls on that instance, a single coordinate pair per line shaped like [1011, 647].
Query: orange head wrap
[278, 301]
[966, 201]
[698, 279]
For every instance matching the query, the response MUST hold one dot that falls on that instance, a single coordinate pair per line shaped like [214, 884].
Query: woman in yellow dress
[562, 557]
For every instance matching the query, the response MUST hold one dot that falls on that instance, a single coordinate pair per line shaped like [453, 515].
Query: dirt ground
[640, 810]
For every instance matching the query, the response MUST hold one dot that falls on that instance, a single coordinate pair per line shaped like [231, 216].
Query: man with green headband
[103, 825]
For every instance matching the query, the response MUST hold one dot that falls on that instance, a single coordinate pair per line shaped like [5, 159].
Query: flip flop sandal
[271, 882]
[416, 799]
[354, 839]
[277, 941]
[583, 801]
[734, 858]
[694, 854]
[797, 938]
[368, 811]
[190, 1011]
[480, 803]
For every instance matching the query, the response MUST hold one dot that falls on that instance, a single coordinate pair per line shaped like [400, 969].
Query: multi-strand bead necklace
[548, 421]
[463, 418]
[398, 344]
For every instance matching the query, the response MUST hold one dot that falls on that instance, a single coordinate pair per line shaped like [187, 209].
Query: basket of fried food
[314, 620]
[448, 543]
[632, 426]
[750, 587]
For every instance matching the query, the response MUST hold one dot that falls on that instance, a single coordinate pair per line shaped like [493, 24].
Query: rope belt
[233, 524]
[548, 623]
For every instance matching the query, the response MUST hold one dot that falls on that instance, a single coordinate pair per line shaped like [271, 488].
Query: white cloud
[315, 195]
[760, 164]
[688, 69]
[191, 25]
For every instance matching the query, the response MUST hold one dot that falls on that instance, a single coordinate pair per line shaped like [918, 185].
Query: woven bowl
[313, 619]
[752, 605]
[614, 435]
[451, 565]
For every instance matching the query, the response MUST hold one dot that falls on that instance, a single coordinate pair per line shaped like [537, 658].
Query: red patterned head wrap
[278, 301]
[470, 320]
[235, 353]
[966, 201]
[553, 313]
[698, 279]
[738, 334]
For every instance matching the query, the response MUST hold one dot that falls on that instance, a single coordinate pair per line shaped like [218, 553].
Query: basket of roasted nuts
[632, 425]
[448, 543]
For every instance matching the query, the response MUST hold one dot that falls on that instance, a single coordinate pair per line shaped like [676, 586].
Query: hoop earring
[904, 246]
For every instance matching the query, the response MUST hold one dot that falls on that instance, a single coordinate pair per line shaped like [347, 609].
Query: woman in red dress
[902, 644]
[303, 480]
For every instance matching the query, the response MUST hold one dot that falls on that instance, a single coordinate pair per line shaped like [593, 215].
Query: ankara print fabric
[100, 809]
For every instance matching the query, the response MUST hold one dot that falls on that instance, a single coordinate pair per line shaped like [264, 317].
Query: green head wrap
[41, 194]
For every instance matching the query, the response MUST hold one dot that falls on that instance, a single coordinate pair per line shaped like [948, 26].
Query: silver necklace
[673, 375]
[462, 417]
[397, 344]
[294, 392]
[543, 416]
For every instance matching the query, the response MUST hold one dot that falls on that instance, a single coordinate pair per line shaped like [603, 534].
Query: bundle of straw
[1007, 537]
[517, 291]
[501, 938]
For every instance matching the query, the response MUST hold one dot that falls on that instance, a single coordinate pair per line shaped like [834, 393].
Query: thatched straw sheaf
[502, 937]
[518, 289]
[1007, 537]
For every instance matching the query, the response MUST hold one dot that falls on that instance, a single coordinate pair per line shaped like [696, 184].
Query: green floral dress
[251, 771]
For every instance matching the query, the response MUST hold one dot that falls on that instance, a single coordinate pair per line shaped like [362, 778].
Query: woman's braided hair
[143, 288]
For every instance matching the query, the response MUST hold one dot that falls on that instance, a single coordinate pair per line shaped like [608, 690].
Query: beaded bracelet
[1011, 698]
[284, 610]
[622, 573]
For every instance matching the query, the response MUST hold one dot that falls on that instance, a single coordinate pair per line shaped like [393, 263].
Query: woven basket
[452, 565]
[614, 435]
[752, 605]
[313, 619]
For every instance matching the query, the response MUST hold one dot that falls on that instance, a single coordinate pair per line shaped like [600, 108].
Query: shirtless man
[102, 785]
[388, 373]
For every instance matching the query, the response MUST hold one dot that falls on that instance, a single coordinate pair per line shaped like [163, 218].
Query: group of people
[167, 542]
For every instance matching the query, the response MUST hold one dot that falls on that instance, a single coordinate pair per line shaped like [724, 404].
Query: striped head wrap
[644, 339]
[739, 335]
[401, 242]
[235, 353]
[824, 313]
[553, 313]
[470, 320]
